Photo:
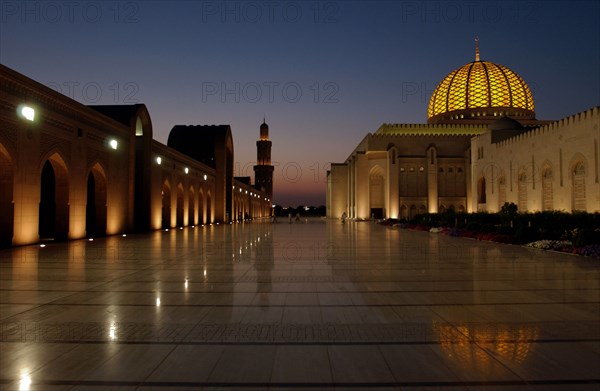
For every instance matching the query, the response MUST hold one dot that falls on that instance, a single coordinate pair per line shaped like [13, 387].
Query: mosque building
[482, 146]
[70, 171]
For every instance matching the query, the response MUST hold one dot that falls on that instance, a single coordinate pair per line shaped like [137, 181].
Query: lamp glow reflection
[112, 331]
[25, 381]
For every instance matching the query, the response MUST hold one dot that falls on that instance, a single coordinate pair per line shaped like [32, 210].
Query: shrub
[586, 236]
[525, 235]
[487, 228]
[473, 226]
[505, 230]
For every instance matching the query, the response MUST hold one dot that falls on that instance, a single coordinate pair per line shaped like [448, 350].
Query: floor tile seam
[292, 385]
[329, 361]
[387, 364]
[76, 293]
[340, 279]
[569, 290]
[180, 342]
[216, 362]
[149, 375]
[103, 361]
[584, 303]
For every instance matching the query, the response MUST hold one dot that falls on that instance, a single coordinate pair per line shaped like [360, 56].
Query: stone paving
[310, 305]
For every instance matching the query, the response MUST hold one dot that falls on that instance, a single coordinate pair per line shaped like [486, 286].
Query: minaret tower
[263, 171]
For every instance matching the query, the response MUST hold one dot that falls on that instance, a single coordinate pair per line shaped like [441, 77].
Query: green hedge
[580, 227]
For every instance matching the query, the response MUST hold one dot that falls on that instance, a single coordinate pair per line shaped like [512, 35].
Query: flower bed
[557, 245]
[591, 250]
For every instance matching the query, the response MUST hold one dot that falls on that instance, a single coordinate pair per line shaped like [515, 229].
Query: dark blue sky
[324, 73]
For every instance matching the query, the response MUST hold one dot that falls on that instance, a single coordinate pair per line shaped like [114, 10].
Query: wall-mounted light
[158, 160]
[186, 170]
[114, 144]
[26, 112]
[205, 177]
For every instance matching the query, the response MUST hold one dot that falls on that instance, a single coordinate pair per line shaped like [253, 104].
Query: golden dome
[480, 90]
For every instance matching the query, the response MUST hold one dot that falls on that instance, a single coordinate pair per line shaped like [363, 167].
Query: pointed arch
[481, 190]
[166, 204]
[179, 206]
[501, 190]
[547, 191]
[522, 191]
[96, 204]
[404, 212]
[54, 198]
[578, 179]
[412, 212]
[191, 206]
[377, 192]
[201, 206]
[209, 208]
[7, 175]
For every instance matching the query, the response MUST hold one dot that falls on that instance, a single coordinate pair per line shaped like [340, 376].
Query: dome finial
[477, 48]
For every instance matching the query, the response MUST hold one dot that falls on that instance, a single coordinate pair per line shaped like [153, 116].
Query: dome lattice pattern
[481, 85]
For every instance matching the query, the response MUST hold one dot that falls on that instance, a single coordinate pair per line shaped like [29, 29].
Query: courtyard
[315, 304]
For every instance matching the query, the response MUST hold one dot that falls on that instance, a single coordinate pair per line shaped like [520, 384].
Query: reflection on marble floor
[311, 305]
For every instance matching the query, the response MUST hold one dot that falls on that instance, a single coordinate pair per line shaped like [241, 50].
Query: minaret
[263, 171]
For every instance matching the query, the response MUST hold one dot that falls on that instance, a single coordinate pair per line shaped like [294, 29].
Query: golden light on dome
[480, 89]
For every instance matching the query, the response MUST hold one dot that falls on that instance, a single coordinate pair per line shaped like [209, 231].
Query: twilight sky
[323, 73]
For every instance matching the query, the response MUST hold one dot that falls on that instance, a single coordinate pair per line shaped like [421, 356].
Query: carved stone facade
[482, 147]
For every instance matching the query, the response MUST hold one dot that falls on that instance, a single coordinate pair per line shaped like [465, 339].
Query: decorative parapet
[588, 115]
[430, 130]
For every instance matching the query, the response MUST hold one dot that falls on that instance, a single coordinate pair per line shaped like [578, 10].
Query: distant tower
[263, 171]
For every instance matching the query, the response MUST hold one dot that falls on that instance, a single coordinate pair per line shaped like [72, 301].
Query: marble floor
[310, 305]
